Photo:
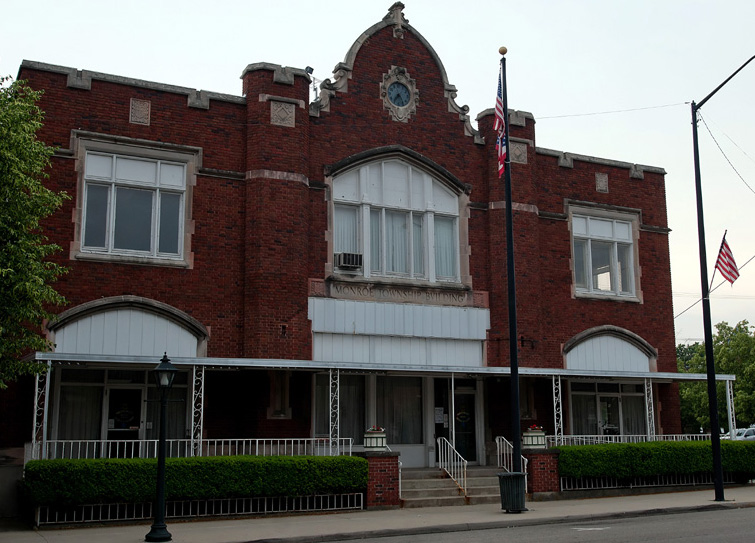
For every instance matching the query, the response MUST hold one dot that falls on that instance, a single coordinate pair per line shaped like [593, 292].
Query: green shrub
[624, 460]
[73, 482]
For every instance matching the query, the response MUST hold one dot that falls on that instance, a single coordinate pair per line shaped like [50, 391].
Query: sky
[605, 78]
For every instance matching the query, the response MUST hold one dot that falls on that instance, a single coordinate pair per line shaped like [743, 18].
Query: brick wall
[383, 480]
[542, 471]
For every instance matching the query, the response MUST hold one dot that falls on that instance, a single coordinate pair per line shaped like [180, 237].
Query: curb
[492, 525]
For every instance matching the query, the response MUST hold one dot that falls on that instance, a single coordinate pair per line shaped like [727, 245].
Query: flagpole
[516, 438]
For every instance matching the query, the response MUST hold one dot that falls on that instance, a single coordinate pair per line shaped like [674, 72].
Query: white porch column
[649, 408]
[730, 409]
[558, 413]
[335, 413]
[197, 410]
[39, 430]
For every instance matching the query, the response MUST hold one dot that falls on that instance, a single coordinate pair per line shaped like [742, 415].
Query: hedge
[624, 460]
[76, 482]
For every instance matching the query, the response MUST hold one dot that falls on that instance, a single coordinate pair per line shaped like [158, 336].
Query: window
[133, 206]
[392, 219]
[603, 255]
[607, 409]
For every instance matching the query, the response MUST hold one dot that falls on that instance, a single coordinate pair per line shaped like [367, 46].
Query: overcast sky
[611, 79]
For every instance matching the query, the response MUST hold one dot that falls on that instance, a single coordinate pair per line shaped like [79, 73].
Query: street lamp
[715, 439]
[164, 374]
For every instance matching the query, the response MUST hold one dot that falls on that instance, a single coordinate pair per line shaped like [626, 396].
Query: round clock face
[398, 94]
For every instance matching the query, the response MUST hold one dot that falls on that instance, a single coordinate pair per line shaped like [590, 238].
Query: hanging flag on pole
[500, 125]
[725, 262]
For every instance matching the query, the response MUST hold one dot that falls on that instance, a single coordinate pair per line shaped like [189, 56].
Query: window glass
[95, 222]
[133, 219]
[397, 246]
[399, 409]
[170, 211]
[601, 266]
[130, 169]
[99, 166]
[602, 254]
[417, 244]
[445, 247]
[580, 263]
[601, 228]
[582, 387]
[624, 254]
[127, 212]
[406, 231]
[376, 241]
[346, 229]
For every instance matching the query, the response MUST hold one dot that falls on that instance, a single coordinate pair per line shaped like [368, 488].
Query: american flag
[500, 125]
[725, 262]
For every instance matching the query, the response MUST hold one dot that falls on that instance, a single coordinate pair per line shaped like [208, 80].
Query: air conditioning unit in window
[348, 261]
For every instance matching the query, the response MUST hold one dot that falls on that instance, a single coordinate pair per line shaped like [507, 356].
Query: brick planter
[542, 471]
[383, 480]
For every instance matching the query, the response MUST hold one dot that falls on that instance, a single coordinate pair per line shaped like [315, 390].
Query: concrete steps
[432, 488]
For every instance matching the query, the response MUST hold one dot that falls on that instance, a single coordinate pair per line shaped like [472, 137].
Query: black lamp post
[164, 374]
[707, 330]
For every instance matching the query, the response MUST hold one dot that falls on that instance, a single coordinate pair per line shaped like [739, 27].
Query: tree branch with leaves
[26, 273]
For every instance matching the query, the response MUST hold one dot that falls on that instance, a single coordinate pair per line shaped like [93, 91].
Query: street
[731, 525]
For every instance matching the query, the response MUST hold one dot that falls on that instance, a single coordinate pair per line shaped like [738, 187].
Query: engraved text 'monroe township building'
[314, 268]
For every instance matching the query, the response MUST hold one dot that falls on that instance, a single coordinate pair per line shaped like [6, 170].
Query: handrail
[505, 454]
[454, 464]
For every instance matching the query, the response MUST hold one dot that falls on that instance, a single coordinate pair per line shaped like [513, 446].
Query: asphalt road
[731, 525]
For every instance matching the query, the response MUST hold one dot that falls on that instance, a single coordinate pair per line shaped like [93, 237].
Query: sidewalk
[355, 525]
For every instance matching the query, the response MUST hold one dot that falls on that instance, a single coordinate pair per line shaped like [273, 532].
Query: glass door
[124, 416]
[609, 416]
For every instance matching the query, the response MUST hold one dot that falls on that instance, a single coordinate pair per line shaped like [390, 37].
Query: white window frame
[160, 156]
[618, 221]
[597, 394]
[368, 204]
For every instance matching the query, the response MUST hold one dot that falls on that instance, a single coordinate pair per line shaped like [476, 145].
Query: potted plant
[534, 437]
[374, 438]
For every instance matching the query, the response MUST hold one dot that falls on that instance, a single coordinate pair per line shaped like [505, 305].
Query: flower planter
[374, 441]
[533, 439]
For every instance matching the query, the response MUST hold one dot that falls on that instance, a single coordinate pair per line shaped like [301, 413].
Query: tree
[25, 271]
[734, 353]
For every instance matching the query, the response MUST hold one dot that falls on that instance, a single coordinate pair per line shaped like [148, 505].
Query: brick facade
[259, 219]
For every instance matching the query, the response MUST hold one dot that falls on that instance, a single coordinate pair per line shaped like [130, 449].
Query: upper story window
[604, 255]
[134, 203]
[391, 219]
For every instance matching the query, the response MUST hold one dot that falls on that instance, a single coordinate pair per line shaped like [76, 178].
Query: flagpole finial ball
[502, 50]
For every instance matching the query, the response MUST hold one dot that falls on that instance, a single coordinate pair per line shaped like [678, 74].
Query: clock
[398, 94]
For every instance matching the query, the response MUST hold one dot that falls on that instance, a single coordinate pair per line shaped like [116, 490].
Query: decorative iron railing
[176, 448]
[555, 441]
[454, 464]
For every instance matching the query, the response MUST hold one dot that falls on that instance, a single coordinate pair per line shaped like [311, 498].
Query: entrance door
[610, 416]
[466, 442]
[124, 415]
[456, 420]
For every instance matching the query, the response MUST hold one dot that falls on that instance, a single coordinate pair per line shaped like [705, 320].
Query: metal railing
[120, 512]
[175, 448]
[505, 455]
[555, 441]
[454, 464]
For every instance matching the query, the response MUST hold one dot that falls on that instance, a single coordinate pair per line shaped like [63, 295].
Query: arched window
[392, 219]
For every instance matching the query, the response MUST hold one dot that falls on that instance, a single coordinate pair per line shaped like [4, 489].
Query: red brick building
[318, 267]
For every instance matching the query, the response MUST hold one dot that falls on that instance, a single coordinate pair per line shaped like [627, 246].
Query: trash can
[512, 491]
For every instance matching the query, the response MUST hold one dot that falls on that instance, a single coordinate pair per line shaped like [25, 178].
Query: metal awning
[270, 363]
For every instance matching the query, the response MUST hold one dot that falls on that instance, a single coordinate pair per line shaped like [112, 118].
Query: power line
[714, 289]
[724, 154]
[611, 112]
